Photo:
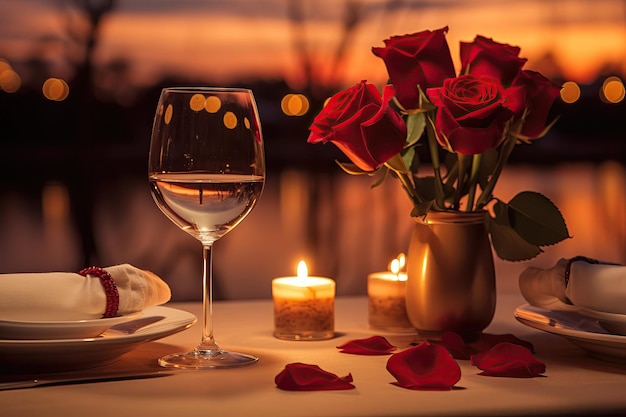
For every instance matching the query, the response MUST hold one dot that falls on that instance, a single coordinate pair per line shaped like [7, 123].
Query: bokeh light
[10, 80]
[197, 102]
[570, 93]
[612, 90]
[213, 104]
[55, 203]
[169, 112]
[55, 89]
[295, 105]
[230, 120]
[4, 65]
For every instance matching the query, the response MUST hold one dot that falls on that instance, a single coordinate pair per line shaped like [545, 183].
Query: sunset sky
[227, 40]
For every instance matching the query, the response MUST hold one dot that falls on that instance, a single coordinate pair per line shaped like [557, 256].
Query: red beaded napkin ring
[110, 289]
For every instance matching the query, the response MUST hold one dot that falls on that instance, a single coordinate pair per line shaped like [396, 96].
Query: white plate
[61, 329]
[72, 354]
[581, 330]
[611, 322]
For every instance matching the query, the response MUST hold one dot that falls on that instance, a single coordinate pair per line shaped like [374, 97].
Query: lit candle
[304, 306]
[386, 293]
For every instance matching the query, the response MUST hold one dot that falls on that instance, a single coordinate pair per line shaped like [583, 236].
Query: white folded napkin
[592, 285]
[70, 296]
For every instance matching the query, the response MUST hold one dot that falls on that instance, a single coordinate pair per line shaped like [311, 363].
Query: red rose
[471, 113]
[362, 125]
[486, 58]
[418, 59]
[540, 93]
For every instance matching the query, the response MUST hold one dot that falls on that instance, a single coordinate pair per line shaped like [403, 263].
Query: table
[574, 383]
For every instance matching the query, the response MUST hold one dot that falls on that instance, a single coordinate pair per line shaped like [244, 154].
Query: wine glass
[206, 172]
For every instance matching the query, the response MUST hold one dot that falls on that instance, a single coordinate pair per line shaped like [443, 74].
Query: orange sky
[581, 35]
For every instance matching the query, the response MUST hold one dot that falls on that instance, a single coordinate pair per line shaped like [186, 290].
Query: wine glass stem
[208, 341]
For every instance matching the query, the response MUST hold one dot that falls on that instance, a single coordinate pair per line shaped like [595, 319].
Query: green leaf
[408, 158]
[382, 175]
[536, 219]
[422, 209]
[396, 163]
[425, 186]
[352, 169]
[415, 125]
[507, 243]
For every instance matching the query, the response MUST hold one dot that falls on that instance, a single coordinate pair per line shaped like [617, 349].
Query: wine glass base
[199, 359]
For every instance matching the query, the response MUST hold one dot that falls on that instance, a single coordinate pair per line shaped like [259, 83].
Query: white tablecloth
[574, 384]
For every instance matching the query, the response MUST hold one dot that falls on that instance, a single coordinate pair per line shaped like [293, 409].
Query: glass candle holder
[387, 307]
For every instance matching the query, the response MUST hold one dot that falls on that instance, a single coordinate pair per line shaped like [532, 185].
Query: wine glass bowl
[206, 173]
[206, 206]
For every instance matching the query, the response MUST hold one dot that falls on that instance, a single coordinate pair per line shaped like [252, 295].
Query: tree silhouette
[83, 180]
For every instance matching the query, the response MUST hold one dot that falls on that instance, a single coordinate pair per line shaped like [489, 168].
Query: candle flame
[398, 266]
[401, 260]
[303, 272]
[394, 266]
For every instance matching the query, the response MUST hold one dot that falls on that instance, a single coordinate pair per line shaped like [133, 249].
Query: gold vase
[451, 277]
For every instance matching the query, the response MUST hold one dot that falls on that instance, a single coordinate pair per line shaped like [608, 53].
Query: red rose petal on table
[425, 366]
[304, 377]
[455, 344]
[508, 360]
[487, 341]
[375, 345]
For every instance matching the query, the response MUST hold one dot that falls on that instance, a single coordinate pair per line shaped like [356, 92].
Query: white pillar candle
[387, 307]
[304, 306]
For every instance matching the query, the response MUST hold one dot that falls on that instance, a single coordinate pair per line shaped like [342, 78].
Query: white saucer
[611, 322]
[61, 329]
[582, 330]
[82, 353]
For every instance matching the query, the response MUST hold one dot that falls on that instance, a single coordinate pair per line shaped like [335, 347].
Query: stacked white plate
[602, 335]
[70, 345]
